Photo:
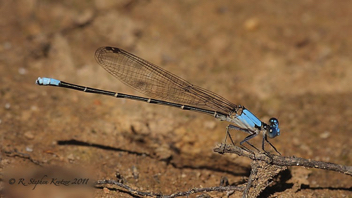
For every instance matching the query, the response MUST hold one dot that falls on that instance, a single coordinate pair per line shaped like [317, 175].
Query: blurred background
[285, 59]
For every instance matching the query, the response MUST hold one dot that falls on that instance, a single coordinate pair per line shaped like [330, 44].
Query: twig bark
[261, 177]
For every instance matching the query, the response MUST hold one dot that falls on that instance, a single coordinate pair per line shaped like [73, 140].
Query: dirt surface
[286, 59]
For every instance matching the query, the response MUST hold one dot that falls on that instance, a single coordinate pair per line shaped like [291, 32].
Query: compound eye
[274, 121]
[273, 129]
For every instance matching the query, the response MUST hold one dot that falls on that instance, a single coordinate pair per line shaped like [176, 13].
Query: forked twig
[229, 189]
[285, 161]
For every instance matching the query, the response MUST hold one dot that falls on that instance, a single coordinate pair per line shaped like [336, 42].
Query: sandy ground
[286, 59]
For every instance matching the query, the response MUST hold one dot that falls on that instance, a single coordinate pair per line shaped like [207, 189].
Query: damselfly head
[273, 129]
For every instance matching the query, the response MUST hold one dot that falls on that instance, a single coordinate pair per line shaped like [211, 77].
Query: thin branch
[16, 153]
[285, 161]
[229, 189]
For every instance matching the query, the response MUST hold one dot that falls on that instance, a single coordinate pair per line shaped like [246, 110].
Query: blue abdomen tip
[47, 81]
